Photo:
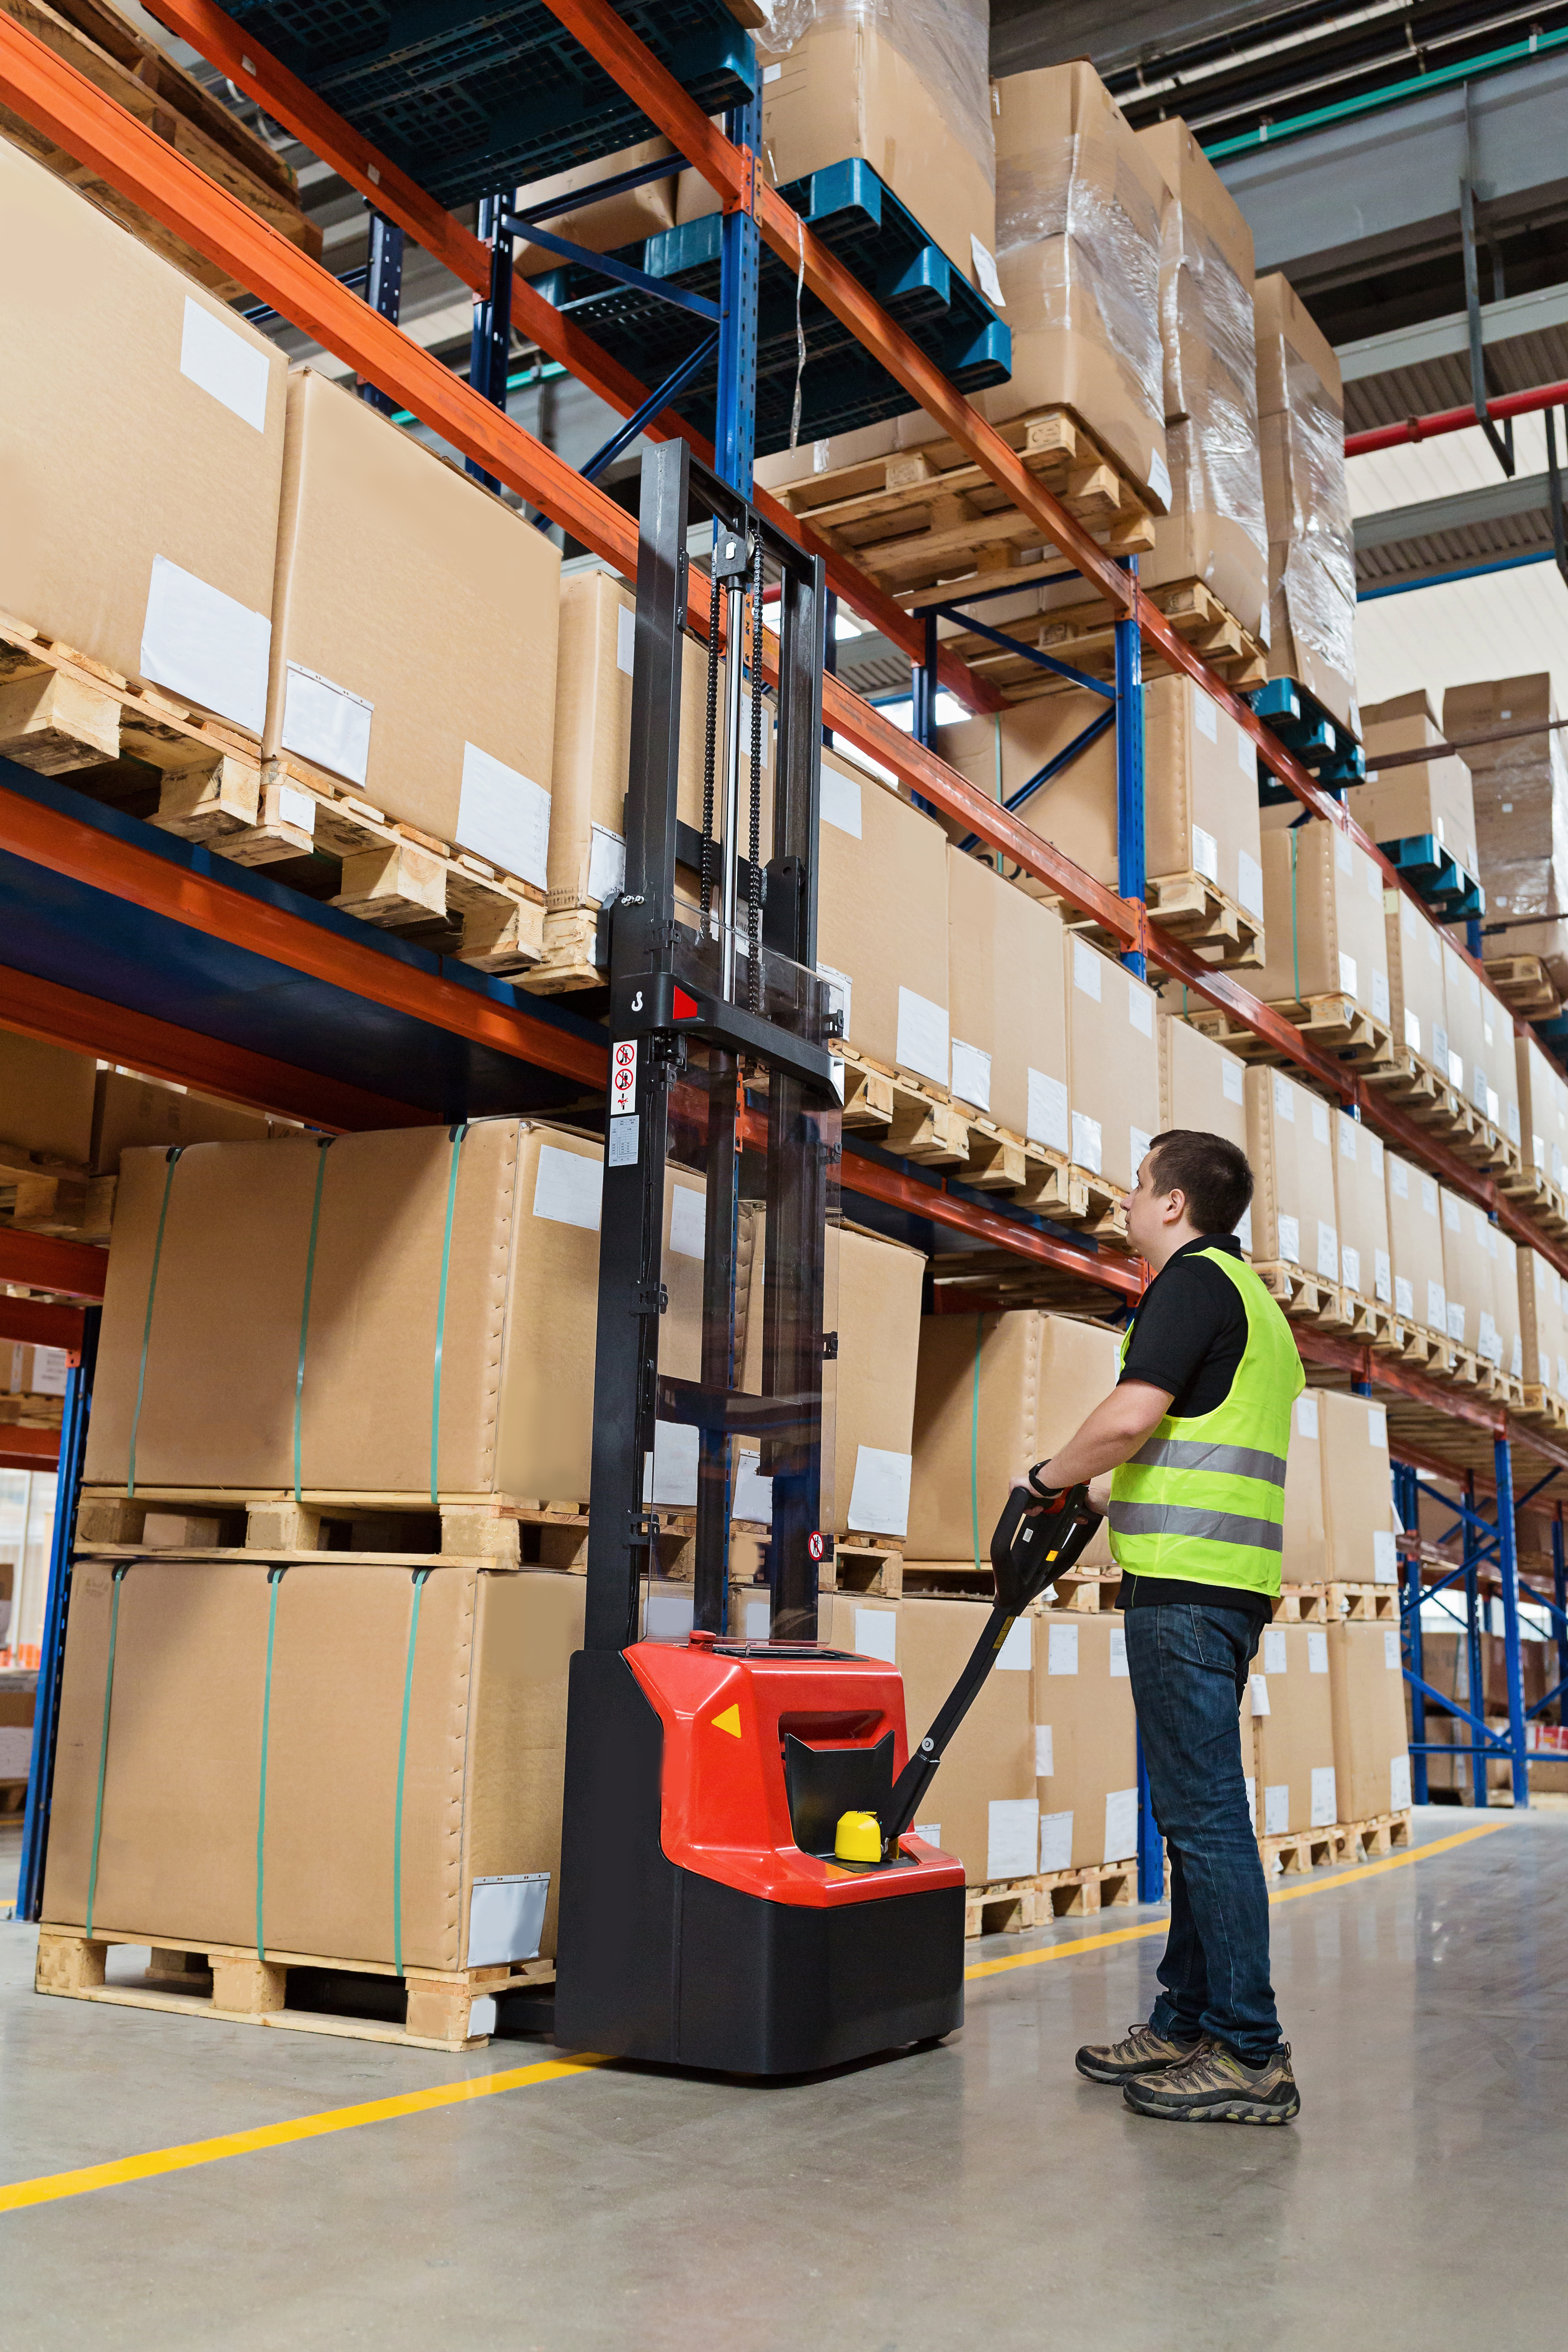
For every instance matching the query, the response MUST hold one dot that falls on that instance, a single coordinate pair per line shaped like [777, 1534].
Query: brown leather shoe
[1145, 2051]
[1217, 2086]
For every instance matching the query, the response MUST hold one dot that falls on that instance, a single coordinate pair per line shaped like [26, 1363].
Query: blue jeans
[1188, 1667]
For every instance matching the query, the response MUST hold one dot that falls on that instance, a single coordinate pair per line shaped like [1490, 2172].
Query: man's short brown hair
[1213, 1172]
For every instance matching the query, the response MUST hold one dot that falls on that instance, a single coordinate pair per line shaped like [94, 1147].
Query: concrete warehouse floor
[976, 2194]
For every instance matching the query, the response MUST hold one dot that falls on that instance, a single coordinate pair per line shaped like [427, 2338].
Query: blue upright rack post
[382, 291]
[1507, 1574]
[740, 261]
[1559, 1595]
[76, 1408]
[1132, 881]
[490, 352]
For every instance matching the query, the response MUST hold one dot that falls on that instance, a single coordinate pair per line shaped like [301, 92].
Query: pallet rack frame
[51, 95]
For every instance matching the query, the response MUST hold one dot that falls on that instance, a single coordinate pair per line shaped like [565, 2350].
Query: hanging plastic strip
[121, 1569]
[420, 1576]
[274, 1578]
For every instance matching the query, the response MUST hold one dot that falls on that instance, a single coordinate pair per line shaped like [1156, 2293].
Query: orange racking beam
[878, 1183]
[44, 1262]
[38, 1323]
[30, 1449]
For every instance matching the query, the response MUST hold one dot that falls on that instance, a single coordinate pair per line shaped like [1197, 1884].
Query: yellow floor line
[1323, 1884]
[52, 2185]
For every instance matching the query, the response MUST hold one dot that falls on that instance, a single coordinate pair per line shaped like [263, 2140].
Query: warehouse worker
[1195, 1438]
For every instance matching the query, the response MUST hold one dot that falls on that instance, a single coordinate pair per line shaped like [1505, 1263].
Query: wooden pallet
[1084, 635]
[218, 1524]
[1305, 1297]
[1190, 906]
[1504, 1387]
[23, 1411]
[1336, 1024]
[1009, 1906]
[1092, 1592]
[1544, 1407]
[1534, 1192]
[566, 957]
[1292, 1852]
[41, 1192]
[1302, 1604]
[1363, 1604]
[868, 1564]
[445, 2009]
[1380, 1833]
[1374, 1321]
[1525, 986]
[922, 517]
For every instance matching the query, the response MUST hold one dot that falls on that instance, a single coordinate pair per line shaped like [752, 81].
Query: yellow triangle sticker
[729, 1721]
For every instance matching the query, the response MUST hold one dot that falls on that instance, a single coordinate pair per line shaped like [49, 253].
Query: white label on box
[1487, 1341]
[668, 1617]
[1544, 1364]
[754, 1496]
[1377, 1426]
[626, 637]
[1252, 1800]
[1230, 1078]
[224, 364]
[670, 1477]
[1412, 1030]
[1245, 750]
[1563, 1376]
[1403, 1298]
[921, 1042]
[1383, 1277]
[1244, 1230]
[1350, 1268]
[1399, 1179]
[1118, 1650]
[625, 1142]
[51, 1368]
[687, 1222]
[759, 1626]
[1320, 1119]
[1380, 995]
[1440, 1046]
[1160, 478]
[880, 1498]
[1139, 1141]
[1013, 1837]
[1516, 1359]
[1047, 1113]
[1276, 1650]
[506, 1919]
[876, 1634]
[1493, 1105]
[503, 815]
[1277, 1811]
[1206, 714]
[1456, 1322]
[1429, 1196]
[1206, 848]
[1139, 1006]
[1044, 1764]
[205, 645]
[1328, 1252]
[839, 802]
[1391, 1652]
[1306, 1417]
[1284, 1098]
[1451, 1217]
[1343, 856]
[1086, 1142]
[1384, 1555]
[1456, 1070]
[821, 451]
[985, 276]
[1016, 1655]
[1399, 1781]
[1347, 1136]
[1086, 968]
[1478, 1088]
[1121, 1825]
[1325, 1805]
[1249, 882]
[930, 1831]
[1056, 1840]
[1538, 1150]
[287, 804]
[1513, 1122]
[1289, 1238]
[970, 1075]
[568, 1188]
[1317, 1650]
[841, 991]
[1061, 1650]
[1347, 973]
[326, 723]
[607, 863]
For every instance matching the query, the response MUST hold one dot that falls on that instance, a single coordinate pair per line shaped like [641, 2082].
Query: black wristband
[1046, 1494]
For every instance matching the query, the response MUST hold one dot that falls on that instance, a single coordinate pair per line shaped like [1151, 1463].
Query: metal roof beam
[1449, 338]
[1493, 502]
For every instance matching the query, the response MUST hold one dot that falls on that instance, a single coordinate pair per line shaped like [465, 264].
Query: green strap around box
[173, 1162]
[457, 1134]
[274, 1578]
[420, 1575]
[1295, 941]
[325, 1146]
[120, 1571]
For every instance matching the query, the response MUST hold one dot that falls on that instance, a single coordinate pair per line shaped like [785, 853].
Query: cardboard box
[1466, 1058]
[1505, 1345]
[1086, 1741]
[1291, 1146]
[1416, 1244]
[1520, 790]
[219, 1400]
[1542, 1110]
[982, 1805]
[31, 1371]
[131, 1112]
[1358, 1491]
[1006, 989]
[995, 1394]
[881, 922]
[1372, 1752]
[162, 569]
[1080, 204]
[1542, 1331]
[1497, 1039]
[1481, 1277]
[1113, 1063]
[627, 219]
[1428, 797]
[1322, 909]
[46, 1098]
[1361, 1207]
[1312, 563]
[1202, 1086]
[414, 633]
[483, 1717]
[1293, 1730]
[1305, 1560]
[1418, 1004]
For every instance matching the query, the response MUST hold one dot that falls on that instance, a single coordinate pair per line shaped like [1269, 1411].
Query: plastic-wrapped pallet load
[1416, 1245]
[1290, 1144]
[881, 924]
[1113, 1064]
[160, 569]
[1366, 1688]
[993, 1393]
[1293, 1730]
[1214, 530]
[982, 1805]
[450, 1734]
[1358, 1491]
[1006, 996]
[1322, 904]
[1542, 1110]
[1417, 1007]
[1202, 1087]
[1361, 1207]
[1305, 1558]
[1521, 788]
[1428, 799]
[1086, 1741]
[1311, 563]
[1543, 1332]
[624, 219]
[901, 83]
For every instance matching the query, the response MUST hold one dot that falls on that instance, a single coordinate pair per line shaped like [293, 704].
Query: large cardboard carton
[624, 219]
[451, 1723]
[46, 1098]
[1293, 1730]
[1358, 1505]
[1481, 1062]
[1418, 1004]
[1322, 909]
[1504, 1344]
[1080, 203]
[1542, 1331]
[1360, 1205]
[1006, 991]
[982, 1805]
[1113, 1063]
[1366, 1686]
[1481, 1277]
[1521, 790]
[881, 922]
[1312, 563]
[220, 1368]
[160, 569]
[1501, 1067]
[1431, 797]
[414, 633]
[1086, 1741]
[130, 1113]
[1305, 1557]
[1542, 1110]
[1291, 1146]
[29, 1370]
[1202, 1086]
[1416, 1245]
[994, 1394]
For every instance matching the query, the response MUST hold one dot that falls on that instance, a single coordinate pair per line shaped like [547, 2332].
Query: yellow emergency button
[729, 1721]
[859, 1838]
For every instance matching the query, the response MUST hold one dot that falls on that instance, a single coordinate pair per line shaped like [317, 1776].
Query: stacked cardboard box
[1417, 1006]
[1086, 1741]
[1366, 1689]
[1481, 1277]
[1361, 1207]
[1483, 1064]
[627, 218]
[1323, 920]
[1430, 798]
[1113, 1064]
[1542, 1110]
[1293, 1730]
[982, 1805]
[1291, 1146]
[1521, 788]
[130, 1113]
[1203, 1087]
[1359, 1528]
[45, 1099]
[1312, 566]
[1305, 1560]
[1543, 1332]
[1006, 994]
[1416, 1245]
[881, 925]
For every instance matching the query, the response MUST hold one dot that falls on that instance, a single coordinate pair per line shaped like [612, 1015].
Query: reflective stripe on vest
[1204, 1499]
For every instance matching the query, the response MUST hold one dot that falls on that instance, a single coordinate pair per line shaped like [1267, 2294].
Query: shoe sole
[1229, 2111]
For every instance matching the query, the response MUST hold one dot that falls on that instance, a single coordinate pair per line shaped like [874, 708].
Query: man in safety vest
[1195, 1438]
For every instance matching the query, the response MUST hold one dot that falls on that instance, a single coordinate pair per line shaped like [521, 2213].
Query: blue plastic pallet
[469, 100]
[880, 241]
[1457, 896]
[1320, 741]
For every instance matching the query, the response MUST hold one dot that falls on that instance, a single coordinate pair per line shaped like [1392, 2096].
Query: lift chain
[709, 752]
